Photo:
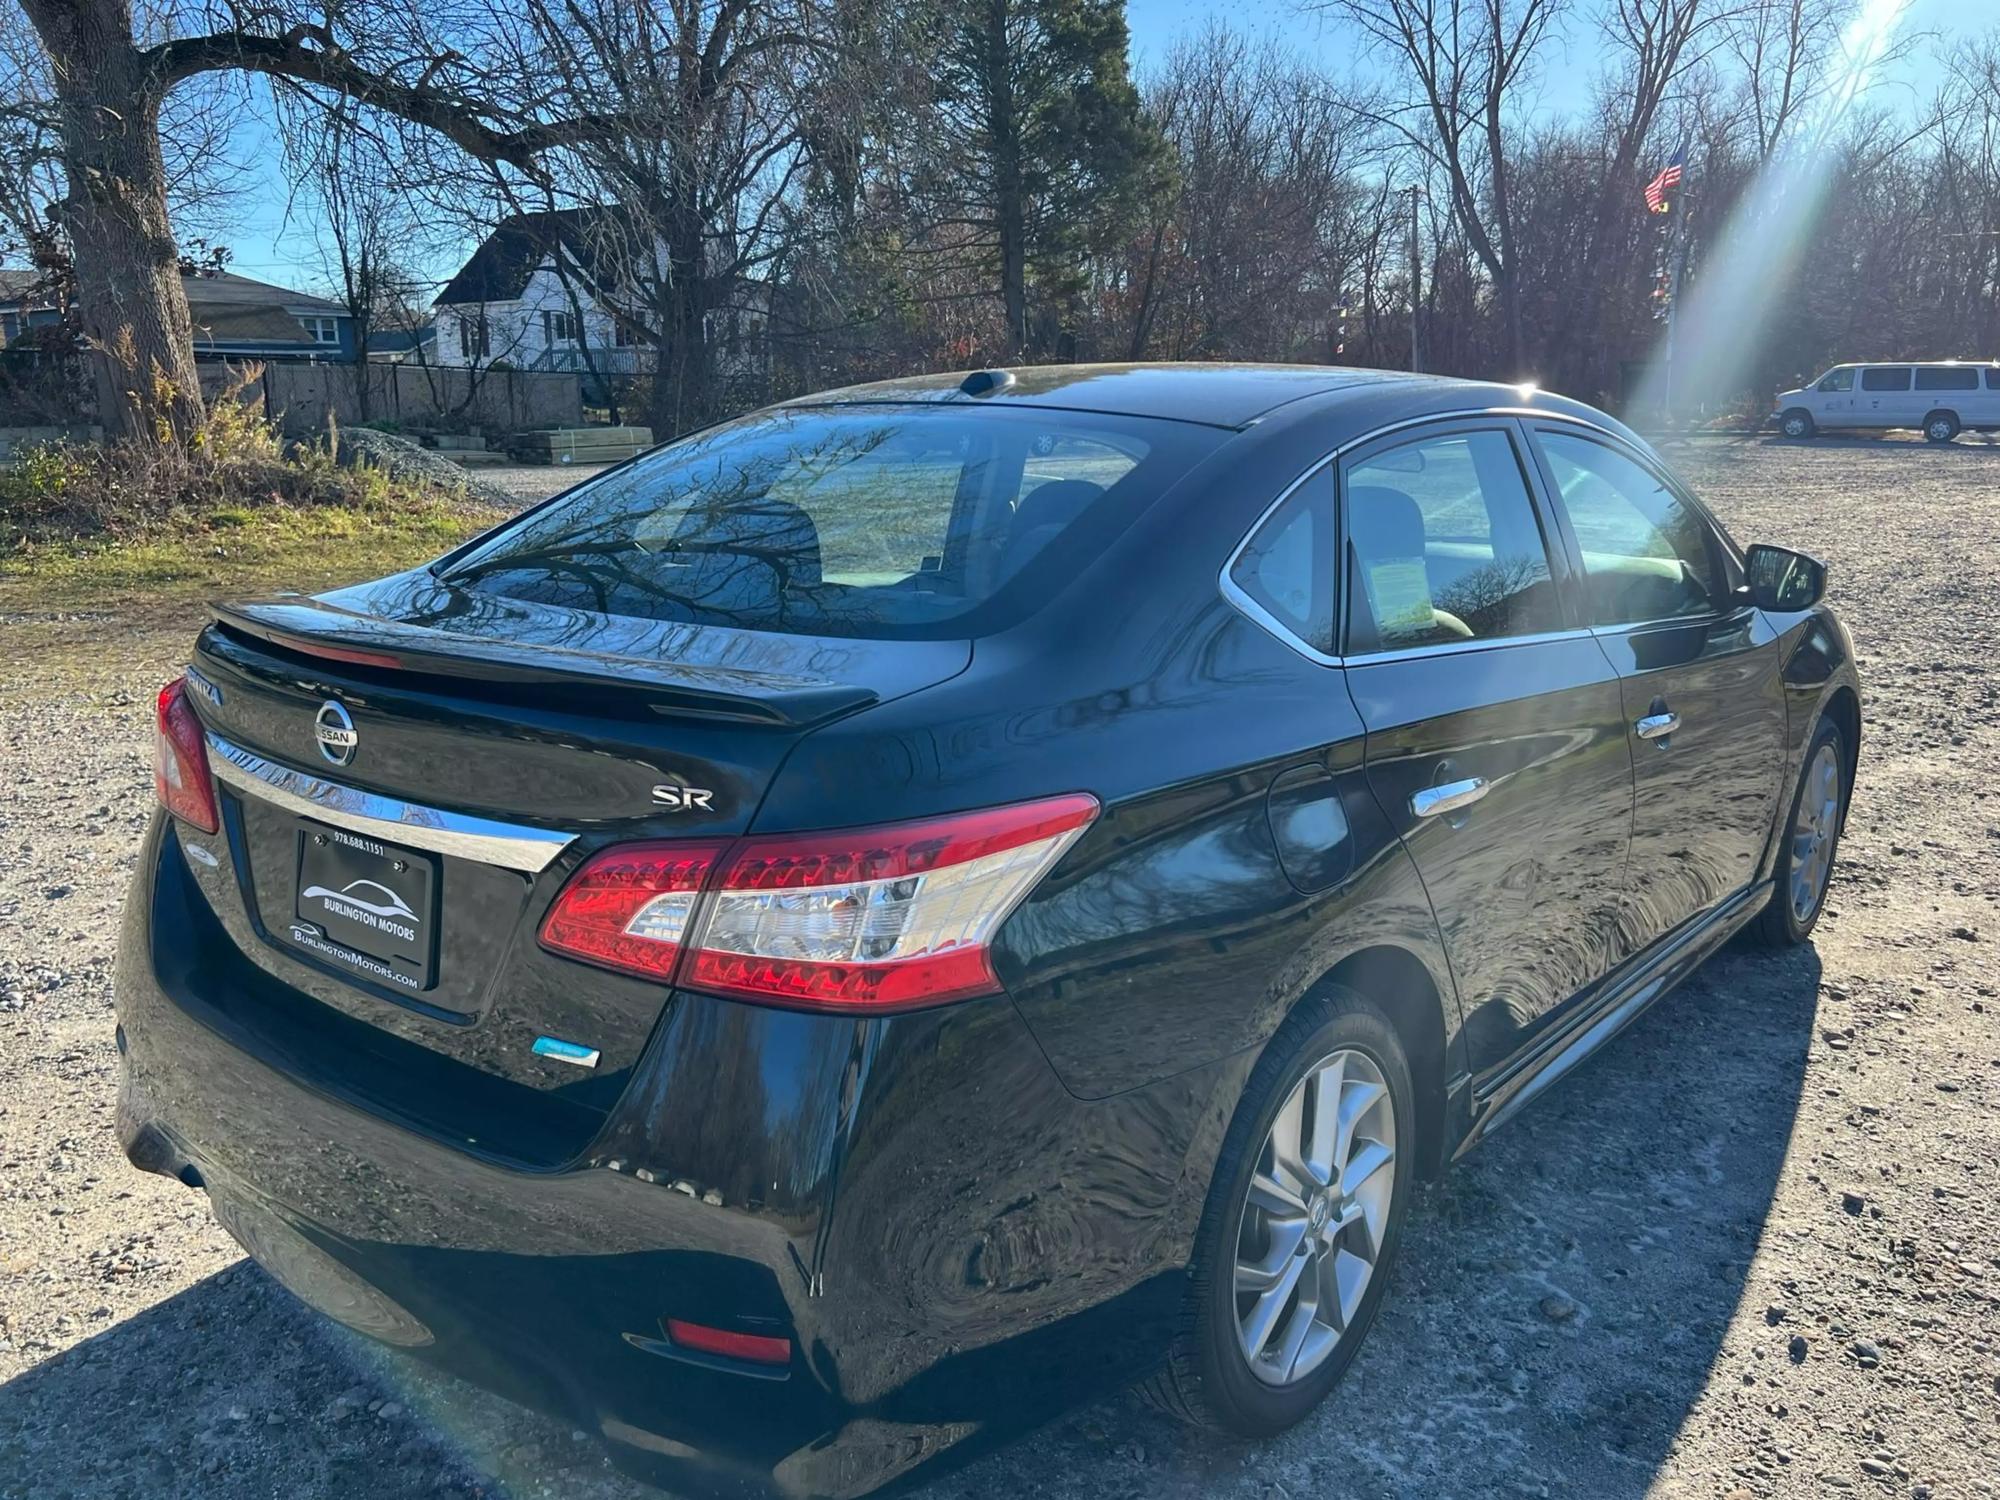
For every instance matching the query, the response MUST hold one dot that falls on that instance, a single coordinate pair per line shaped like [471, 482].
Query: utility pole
[1416, 282]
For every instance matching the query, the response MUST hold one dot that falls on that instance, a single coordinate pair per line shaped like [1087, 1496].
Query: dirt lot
[1751, 1249]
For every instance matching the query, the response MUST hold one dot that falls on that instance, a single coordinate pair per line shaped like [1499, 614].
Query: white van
[1942, 398]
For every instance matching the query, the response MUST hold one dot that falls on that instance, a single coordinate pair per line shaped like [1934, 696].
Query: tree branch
[468, 124]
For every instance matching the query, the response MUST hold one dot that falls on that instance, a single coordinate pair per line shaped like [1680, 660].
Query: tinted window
[1947, 378]
[1886, 378]
[1647, 555]
[1993, 377]
[893, 522]
[1443, 546]
[1837, 380]
[1287, 565]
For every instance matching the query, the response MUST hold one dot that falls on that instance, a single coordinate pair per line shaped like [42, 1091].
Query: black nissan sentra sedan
[888, 916]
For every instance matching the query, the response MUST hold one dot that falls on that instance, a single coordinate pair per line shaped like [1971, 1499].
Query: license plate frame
[366, 905]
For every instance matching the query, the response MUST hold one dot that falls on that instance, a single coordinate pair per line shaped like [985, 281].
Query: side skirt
[1624, 995]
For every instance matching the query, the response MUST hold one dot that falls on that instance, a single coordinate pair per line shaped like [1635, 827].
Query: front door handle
[1657, 726]
[1449, 797]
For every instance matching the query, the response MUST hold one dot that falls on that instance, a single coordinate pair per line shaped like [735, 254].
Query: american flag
[1669, 179]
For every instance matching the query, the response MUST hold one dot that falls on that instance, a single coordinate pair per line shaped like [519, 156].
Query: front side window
[1286, 568]
[1886, 378]
[1836, 380]
[1947, 378]
[1443, 546]
[1647, 554]
[895, 522]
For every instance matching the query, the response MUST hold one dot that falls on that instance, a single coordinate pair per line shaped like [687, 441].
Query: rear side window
[1286, 568]
[1993, 377]
[1947, 378]
[884, 522]
[1886, 378]
[1647, 554]
[1836, 380]
[1443, 546]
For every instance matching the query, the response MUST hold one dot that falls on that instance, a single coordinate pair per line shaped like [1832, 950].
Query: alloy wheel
[1314, 1221]
[1814, 829]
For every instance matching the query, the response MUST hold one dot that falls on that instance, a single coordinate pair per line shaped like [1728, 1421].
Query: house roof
[225, 289]
[591, 239]
[243, 323]
[14, 285]
[221, 290]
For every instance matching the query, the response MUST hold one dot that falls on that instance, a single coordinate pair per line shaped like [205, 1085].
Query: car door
[1833, 398]
[1698, 665]
[1495, 725]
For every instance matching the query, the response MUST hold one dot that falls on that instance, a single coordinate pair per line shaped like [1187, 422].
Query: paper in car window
[1400, 592]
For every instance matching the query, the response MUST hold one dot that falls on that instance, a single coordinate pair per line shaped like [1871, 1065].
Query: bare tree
[111, 87]
[1464, 66]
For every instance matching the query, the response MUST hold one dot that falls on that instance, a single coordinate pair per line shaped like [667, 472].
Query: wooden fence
[299, 396]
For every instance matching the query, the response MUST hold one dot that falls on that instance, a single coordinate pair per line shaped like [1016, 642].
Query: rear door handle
[1449, 797]
[1657, 726]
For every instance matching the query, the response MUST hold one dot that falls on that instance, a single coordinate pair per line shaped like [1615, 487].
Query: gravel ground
[1753, 1248]
[531, 482]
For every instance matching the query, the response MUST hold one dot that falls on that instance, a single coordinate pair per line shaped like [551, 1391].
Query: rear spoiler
[311, 628]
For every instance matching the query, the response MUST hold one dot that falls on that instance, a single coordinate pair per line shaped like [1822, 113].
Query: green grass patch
[236, 551]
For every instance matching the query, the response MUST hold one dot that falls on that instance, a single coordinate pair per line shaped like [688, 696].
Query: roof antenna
[986, 382]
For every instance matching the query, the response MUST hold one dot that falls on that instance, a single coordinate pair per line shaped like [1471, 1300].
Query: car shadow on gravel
[1560, 1306]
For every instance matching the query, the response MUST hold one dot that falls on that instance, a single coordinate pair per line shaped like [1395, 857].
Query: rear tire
[1809, 841]
[1287, 1280]
[1941, 427]
[1796, 423]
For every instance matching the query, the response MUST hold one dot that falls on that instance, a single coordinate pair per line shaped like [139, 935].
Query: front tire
[1796, 423]
[1941, 427]
[1811, 839]
[1303, 1218]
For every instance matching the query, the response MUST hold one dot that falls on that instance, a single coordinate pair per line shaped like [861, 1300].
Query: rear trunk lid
[409, 772]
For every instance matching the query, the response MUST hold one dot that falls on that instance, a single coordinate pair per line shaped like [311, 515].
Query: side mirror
[1783, 580]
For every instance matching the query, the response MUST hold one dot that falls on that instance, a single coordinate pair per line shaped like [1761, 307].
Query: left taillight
[855, 921]
[180, 760]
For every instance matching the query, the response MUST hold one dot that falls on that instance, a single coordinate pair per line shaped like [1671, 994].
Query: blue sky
[265, 246]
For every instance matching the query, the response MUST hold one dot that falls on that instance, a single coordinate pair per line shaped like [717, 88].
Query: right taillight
[855, 921]
[180, 760]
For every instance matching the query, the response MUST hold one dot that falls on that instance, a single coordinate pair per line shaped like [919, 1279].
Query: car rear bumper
[955, 1245]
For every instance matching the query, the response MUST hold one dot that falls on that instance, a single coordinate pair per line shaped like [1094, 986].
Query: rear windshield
[887, 522]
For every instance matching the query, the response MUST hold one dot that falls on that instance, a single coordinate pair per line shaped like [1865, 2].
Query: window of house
[1886, 378]
[322, 330]
[472, 336]
[624, 335]
[558, 327]
[1837, 380]
[1947, 378]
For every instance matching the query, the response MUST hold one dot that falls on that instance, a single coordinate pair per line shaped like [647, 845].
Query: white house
[533, 296]
[541, 293]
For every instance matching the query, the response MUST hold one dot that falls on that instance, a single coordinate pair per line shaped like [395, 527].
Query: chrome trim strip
[510, 845]
[1456, 648]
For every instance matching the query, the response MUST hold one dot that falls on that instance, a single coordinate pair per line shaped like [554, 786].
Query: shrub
[237, 466]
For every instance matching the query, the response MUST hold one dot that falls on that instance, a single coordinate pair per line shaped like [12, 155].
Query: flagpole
[1677, 252]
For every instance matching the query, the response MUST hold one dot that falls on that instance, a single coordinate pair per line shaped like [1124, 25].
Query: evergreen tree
[1043, 153]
